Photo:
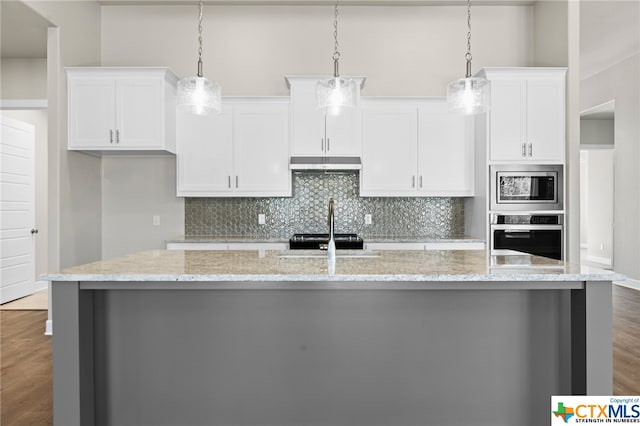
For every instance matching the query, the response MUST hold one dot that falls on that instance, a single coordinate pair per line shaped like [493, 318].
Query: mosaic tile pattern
[307, 210]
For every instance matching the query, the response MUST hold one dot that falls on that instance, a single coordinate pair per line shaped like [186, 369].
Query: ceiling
[22, 31]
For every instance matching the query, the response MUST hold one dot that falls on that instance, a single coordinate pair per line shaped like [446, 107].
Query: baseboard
[604, 261]
[40, 285]
[48, 328]
[629, 283]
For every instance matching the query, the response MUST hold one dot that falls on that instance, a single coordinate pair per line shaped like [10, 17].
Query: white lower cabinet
[415, 148]
[242, 152]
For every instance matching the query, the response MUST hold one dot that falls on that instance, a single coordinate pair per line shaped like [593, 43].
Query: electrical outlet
[156, 220]
[367, 219]
[261, 219]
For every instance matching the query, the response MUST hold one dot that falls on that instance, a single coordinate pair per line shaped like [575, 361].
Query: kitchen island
[283, 338]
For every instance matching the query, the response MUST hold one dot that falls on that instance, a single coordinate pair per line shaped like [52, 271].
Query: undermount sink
[319, 254]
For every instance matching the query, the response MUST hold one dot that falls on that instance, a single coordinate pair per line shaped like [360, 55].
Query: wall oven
[537, 234]
[526, 187]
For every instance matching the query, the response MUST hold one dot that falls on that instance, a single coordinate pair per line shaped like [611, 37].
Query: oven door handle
[526, 228]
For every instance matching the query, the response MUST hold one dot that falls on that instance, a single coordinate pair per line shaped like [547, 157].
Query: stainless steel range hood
[325, 163]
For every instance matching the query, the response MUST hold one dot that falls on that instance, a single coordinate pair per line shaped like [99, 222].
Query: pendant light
[469, 95]
[337, 92]
[199, 95]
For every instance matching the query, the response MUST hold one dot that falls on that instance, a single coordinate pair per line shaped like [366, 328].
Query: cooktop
[318, 241]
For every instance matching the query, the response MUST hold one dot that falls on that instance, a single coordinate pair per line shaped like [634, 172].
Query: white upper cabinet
[243, 151]
[315, 133]
[527, 116]
[445, 151]
[204, 153]
[415, 148]
[121, 110]
[389, 148]
[261, 149]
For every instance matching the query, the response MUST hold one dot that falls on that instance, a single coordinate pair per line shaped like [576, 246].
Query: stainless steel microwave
[525, 187]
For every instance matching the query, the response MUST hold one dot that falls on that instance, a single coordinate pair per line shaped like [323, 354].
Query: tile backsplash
[307, 211]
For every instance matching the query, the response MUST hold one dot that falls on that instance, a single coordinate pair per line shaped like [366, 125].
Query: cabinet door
[261, 150]
[545, 120]
[204, 156]
[342, 133]
[307, 120]
[445, 153]
[139, 113]
[389, 140]
[92, 113]
[508, 120]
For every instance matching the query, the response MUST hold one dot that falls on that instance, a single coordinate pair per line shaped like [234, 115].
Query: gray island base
[258, 338]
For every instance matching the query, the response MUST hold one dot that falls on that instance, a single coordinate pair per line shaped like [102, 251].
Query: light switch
[156, 220]
[367, 219]
[261, 219]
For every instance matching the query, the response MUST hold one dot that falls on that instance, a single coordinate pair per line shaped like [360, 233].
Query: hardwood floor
[25, 373]
[25, 355]
[626, 341]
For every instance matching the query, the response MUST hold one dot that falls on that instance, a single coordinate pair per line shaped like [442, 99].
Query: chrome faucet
[331, 246]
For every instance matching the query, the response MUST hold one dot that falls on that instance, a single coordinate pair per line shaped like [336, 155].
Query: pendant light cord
[468, 56]
[336, 52]
[200, 7]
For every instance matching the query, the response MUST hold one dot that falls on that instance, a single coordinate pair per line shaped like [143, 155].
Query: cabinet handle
[117, 136]
[413, 181]
[229, 181]
[524, 149]
[110, 136]
[530, 150]
[236, 181]
[420, 181]
[321, 144]
[328, 144]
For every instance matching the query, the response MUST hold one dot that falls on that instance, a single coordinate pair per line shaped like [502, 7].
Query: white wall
[23, 78]
[74, 179]
[597, 132]
[599, 206]
[38, 118]
[621, 82]
[551, 43]
[134, 190]
[405, 50]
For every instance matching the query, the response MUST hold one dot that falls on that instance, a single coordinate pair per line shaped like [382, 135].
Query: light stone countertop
[213, 239]
[381, 266]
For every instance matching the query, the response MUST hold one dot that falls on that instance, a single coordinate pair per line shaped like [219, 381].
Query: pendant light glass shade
[199, 95]
[471, 95]
[336, 93]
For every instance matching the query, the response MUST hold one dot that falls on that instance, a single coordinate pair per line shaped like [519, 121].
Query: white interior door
[17, 200]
